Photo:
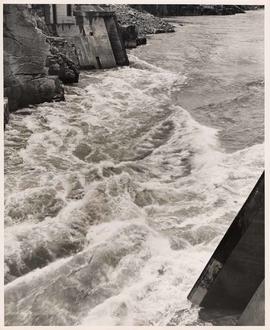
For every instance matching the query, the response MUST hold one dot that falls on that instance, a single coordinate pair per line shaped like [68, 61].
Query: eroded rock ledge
[26, 79]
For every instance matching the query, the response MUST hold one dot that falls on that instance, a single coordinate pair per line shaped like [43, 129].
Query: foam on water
[129, 199]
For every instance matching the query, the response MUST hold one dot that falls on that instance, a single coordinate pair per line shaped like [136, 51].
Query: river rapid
[116, 198]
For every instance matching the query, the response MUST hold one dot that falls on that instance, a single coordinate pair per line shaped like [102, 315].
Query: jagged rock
[25, 51]
[63, 60]
[40, 23]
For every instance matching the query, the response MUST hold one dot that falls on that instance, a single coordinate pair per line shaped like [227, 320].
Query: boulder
[26, 80]
[63, 60]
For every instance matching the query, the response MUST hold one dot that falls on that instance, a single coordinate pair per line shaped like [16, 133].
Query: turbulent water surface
[116, 198]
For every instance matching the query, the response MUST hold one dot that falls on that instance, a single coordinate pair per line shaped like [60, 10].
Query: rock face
[63, 60]
[144, 22]
[25, 51]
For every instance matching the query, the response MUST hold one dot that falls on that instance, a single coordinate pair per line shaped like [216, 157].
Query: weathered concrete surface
[116, 40]
[91, 40]
[6, 112]
[236, 268]
[254, 313]
[102, 43]
[63, 60]
[25, 52]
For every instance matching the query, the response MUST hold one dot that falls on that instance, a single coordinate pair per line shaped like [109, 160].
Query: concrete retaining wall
[236, 268]
[117, 43]
[102, 43]
[254, 314]
[92, 42]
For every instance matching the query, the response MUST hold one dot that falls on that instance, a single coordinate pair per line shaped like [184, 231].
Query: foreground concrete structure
[236, 270]
[254, 314]
[94, 32]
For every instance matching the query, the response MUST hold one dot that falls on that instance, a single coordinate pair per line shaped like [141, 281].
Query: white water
[120, 197]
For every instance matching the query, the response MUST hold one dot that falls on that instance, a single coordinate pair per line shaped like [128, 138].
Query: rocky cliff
[26, 80]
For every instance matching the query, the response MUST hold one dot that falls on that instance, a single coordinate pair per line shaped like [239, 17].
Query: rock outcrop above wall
[25, 51]
[63, 60]
[143, 21]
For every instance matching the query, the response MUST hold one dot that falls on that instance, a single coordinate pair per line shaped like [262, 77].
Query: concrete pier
[236, 269]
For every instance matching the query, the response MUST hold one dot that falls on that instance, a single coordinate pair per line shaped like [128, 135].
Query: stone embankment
[144, 22]
[26, 80]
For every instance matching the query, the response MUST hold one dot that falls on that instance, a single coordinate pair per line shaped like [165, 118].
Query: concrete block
[105, 56]
[254, 313]
[116, 40]
[236, 268]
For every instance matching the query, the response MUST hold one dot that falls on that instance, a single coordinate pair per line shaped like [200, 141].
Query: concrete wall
[254, 314]
[91, 40]
[102, 42]
[67, 30]
[236, 268]
[61, 14]
[116, 41]
[86, 51]
[84, 43]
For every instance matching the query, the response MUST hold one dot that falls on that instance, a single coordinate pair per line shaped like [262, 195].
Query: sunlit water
[116, 198]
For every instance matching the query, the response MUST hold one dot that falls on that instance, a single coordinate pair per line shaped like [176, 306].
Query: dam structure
[233, 279]
[93, 30]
